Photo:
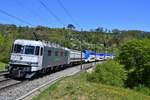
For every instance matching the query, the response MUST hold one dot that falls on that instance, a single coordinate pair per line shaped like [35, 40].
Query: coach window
[41, 52]
[61, 53]
[65, 53]
[56, 53]
[49, 52]
[37, 50]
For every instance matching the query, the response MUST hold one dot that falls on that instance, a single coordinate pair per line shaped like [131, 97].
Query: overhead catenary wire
[34, 13]
[19, 19]
[50, 12]
[72, 19]
[15, 17]
[67, 13]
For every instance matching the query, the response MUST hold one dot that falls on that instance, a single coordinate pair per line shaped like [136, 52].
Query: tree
[99, 29]
[110, 72]
[135, 55]
[71, 26]
[1, 42]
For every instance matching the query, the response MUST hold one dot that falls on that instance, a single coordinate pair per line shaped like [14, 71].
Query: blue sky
[89, 14]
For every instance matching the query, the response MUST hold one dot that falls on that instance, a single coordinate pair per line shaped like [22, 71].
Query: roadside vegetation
[125, 78]
[135, 56]
[110, 73]
[2, 66]
[79, 88]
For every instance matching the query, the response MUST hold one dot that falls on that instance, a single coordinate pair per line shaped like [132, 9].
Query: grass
[2, 66]
[78, 88]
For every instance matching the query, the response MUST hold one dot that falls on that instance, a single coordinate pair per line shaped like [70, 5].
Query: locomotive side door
[40, 60]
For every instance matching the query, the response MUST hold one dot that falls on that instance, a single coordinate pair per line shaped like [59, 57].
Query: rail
[51, 82]
[2, 73]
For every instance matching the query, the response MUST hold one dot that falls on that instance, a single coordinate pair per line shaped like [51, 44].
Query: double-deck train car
[109, 56]
[29, 57]
[100, 56]
[89, 56]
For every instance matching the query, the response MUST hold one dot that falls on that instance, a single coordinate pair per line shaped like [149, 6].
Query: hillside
[2, 66]
[77, 88]
[105, 39]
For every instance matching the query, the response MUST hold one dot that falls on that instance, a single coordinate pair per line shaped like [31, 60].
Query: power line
[19, 19]
[28, 9]
[50, 12]
[15, 17]
[67, 12]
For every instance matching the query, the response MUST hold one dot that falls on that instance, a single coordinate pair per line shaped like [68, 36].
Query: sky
[88, 14]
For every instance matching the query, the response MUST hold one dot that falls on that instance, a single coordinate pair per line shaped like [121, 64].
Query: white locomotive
[29, 57]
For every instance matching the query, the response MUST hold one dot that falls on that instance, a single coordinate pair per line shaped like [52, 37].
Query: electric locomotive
[29, 57]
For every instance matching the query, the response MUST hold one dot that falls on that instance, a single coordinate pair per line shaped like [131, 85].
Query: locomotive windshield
[32, 50]
[18, 48]
[29, 50]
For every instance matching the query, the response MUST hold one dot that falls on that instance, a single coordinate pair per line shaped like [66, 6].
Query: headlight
[34, 64]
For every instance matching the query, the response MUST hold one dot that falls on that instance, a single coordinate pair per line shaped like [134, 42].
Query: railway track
[3, 79]
[2, 73]
[36, 91]
[3, 76]
[19, 90]
[5, 82]
[8, 83]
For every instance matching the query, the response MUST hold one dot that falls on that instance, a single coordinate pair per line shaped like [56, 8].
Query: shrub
[135, 55]
[110, 72]
[5, 47]
[142, 89]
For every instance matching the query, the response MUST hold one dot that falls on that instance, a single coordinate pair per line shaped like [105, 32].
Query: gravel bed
[7, 82]
[25, 87]
[22, 89]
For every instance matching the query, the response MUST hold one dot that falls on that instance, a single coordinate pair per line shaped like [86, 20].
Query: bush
[2, 66]
[142, 89]
[135, 55]
[5, 47]
[110, 72]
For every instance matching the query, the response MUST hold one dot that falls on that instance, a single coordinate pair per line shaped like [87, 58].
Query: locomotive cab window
[18, 48]
[29, 50]
[37, 50]
[41, 52]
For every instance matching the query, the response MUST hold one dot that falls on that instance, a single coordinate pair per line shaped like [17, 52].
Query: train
[29, 57]
[90, 56]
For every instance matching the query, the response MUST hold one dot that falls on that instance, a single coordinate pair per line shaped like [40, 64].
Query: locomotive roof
[28, 42]
[36, 43]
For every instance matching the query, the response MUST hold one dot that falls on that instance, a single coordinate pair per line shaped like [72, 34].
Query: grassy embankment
[78, 88]
[2, 66]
